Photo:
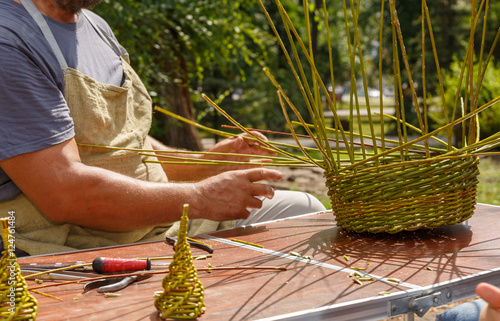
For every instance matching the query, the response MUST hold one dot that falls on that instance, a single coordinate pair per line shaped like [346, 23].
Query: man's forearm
[66, 190]
[108, 201]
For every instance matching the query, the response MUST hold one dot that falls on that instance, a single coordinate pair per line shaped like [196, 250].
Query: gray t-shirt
[33, 112]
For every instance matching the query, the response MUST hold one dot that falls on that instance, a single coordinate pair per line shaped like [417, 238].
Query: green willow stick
[353, 89]
[197, 161]
[303, 85]
[290, 126]
[219, 163]
[363, 75]
[332, 76]
[380, 84]
[218, 132]
[228, 268]
[473, 135]
[418, 149]
[438, 70]
[487, 143]
[490, 55]
[323, 88]
[318, 111]
[264, 131]
[483, 37]
[241, 127]
[312, 103]
[299, 116]
[192, 123]
[420, 132]
[424, 84]
[395, 22]
[316, 74]
[397, 85]
[433, 150]
[407, 66]
[160, 153]
[433, 133]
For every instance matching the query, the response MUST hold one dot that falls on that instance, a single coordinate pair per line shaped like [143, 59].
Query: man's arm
[66, 190]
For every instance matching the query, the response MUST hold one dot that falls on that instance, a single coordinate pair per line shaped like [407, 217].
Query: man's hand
[236, 145]
[490, 294]
[67, 191]
[229, 195]
[233, 145]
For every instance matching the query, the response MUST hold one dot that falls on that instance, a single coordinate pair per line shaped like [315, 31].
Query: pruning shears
[173, 241]
[113, 284]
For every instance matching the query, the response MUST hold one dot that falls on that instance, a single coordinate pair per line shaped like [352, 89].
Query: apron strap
[40, 20]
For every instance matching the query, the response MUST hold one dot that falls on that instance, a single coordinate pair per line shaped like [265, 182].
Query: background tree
[184, 48]
[176, 45]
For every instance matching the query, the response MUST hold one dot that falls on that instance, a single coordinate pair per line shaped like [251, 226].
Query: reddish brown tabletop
[447, 261]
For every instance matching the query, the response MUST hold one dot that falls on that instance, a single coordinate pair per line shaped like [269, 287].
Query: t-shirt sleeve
[33, 112]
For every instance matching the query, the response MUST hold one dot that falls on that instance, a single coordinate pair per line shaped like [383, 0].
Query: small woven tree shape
[183, 293]
[16, 302]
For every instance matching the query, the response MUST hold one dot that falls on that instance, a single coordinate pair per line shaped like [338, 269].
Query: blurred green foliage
[489, 119]
[219, 48]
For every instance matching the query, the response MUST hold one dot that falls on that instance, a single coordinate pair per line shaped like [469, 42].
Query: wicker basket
[404, 196]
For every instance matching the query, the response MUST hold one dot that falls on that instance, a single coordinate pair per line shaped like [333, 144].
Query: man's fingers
[263, 174]
[490, 294]
[254, 203]
[262, 190]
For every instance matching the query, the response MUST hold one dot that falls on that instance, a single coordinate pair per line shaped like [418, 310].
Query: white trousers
[284, 204]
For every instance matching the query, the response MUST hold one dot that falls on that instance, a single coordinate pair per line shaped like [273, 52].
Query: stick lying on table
[277, 268]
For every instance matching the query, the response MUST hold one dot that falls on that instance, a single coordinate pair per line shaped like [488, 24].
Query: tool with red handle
[111, 265]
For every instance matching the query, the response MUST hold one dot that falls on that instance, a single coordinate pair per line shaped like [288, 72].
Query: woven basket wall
[404, 196]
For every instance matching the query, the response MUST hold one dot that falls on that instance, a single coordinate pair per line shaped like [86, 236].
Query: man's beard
[75, 6]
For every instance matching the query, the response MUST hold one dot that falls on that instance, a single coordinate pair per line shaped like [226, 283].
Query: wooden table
[435, 267]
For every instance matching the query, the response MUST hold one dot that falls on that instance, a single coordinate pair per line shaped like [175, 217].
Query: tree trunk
[179, 134]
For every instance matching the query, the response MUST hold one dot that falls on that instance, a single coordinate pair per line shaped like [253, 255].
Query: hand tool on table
[173, 241]
[112, 265]
[100, 265]
[113, 284]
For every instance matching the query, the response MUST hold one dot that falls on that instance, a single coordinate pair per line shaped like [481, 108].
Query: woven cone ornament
[183, 293]
[15, 302]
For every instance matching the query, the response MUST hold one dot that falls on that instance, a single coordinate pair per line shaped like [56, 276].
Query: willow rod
[244, 129]
[438, 70]
[445, 127]
[311, 101]
[332, 77]
[228, 268]
[363, 76]
[316, 74]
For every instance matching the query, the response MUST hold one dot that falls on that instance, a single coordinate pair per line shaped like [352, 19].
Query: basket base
[405, 196]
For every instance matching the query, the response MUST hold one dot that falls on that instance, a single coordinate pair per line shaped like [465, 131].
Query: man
[66, 80]
[485, 309]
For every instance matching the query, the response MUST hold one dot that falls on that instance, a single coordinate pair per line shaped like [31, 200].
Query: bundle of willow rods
[377, 184]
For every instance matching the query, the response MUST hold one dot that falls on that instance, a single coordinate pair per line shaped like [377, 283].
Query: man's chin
[75, 6]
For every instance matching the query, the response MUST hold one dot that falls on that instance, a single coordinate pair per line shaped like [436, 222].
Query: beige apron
[103, 115]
